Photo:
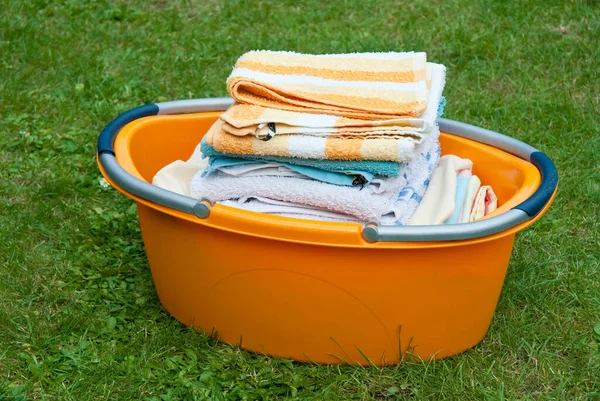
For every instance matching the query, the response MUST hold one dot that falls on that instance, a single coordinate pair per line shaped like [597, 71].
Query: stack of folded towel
[342, 137]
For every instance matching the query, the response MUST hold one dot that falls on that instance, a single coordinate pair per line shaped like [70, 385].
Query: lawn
[79, 317]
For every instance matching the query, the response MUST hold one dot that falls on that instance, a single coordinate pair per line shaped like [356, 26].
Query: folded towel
[366, 204]
[246, 168]
[462, 182]
[309, 216]
[377, 201]
[485, 203]
[250, 119]
[418, 174]
[438, 202]
[288, 209]
[396, 149]
[376, 167]
[372, 86]
[177, 176]
[247, 119]
[472, 188]
[491, 201]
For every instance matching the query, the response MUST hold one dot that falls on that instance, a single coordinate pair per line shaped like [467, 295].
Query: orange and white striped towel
[244, 119]
[398, 149]
[369, 86]
[250, 119]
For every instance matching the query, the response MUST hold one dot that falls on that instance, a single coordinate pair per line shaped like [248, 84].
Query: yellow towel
[369, 86]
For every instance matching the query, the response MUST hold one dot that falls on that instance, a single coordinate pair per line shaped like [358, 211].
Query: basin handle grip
[135, 186]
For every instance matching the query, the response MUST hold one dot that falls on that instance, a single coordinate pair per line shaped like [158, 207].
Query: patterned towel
[418, 174]
[250, 119]
[370, 86]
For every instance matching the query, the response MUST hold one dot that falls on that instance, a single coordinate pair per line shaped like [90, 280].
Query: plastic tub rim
[371, 232]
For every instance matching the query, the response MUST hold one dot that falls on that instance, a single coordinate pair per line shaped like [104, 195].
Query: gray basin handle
[133, 185]
[449, 232]
[150, 192]
[194, 105]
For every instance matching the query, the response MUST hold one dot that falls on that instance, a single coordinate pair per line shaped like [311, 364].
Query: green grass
[79, 317]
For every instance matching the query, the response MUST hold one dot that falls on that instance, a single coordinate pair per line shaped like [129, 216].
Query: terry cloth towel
[250, 119]
[438, 202]
[312, 147]
[376, 167]
[462, 182]
[246, 168]
[472, 188]
[374, 86]
[287, 209]
[485, 203]
[177, 176]
[418, 174]
[368, 203]
[376, 201]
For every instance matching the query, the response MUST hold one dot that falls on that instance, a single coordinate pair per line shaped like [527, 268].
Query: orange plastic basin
[317, 291]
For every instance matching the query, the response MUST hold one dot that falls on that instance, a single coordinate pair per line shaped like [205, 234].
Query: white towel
[366, 204]
[290, 209]
[418, 175]
[258, 169]
[318, 218]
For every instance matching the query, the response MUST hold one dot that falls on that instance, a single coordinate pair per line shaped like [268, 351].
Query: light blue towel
[375, 167]
[462, 183]
[331, 177]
